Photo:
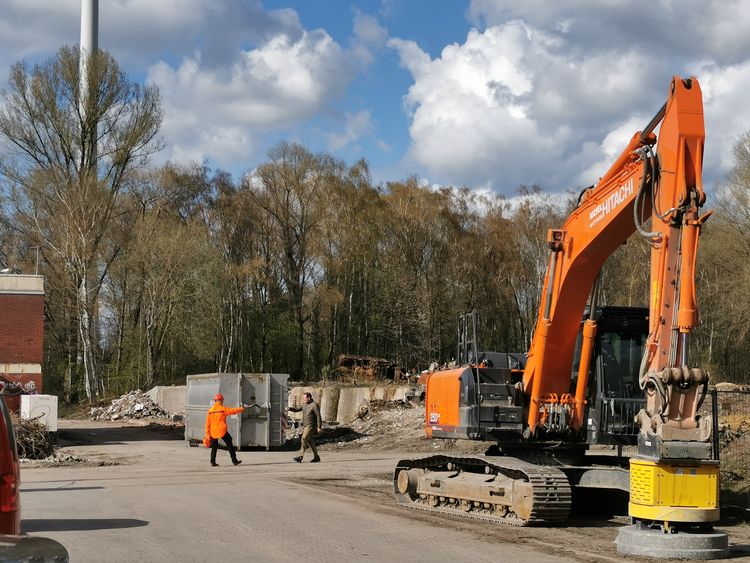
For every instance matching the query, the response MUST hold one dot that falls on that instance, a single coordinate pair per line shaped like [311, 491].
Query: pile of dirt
[387, 425]
[57, 460]
[33, 440]
[133, 405]
[63, 459]
[729, 434]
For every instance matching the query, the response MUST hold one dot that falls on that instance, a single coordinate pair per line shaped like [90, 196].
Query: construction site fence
[732, 411]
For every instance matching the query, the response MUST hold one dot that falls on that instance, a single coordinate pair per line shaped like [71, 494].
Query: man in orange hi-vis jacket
[216, 428]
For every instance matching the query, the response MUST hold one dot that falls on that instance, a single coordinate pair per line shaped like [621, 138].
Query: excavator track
[546, 498]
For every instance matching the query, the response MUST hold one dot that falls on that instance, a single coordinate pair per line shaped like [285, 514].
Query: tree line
[156, 272]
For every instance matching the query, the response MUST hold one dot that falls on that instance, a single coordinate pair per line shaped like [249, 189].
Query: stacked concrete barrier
[170, 398]
[344, 404]
[402, 393]
[379, 393]
[329, 403]
[351, 401]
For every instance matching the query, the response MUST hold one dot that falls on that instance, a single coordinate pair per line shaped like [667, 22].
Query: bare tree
[290, 191]
[67, 162]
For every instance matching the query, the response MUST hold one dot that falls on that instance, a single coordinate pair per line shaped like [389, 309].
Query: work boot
[298, 459]
[316, 459]
[214, 464]
[237, 461]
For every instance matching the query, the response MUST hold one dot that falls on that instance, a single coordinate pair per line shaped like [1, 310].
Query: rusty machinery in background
[351, 369]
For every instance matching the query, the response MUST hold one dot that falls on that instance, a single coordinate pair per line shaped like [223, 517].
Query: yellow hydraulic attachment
[663, 492]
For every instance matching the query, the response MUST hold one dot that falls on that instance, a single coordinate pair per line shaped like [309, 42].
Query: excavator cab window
[614, 395]
[620, 355]
[620, 338]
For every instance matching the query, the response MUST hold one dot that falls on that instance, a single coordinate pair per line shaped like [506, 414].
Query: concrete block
[653, 543]
[42, 408]
[343, 404]
[329, 402]
[351, 399]
[401, 393]
[170, 398]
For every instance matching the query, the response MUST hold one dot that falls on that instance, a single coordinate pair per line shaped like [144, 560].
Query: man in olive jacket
[311, 425]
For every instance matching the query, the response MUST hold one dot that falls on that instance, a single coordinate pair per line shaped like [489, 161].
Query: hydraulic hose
[647, 181]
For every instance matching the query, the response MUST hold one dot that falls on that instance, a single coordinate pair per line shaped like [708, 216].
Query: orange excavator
[594, 375]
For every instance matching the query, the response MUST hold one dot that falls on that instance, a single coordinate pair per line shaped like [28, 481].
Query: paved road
[167, 504]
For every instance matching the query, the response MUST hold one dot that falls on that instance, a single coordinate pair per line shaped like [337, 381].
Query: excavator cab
[614, 396]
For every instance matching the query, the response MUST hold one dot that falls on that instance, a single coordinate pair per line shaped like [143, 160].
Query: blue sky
[489, 94]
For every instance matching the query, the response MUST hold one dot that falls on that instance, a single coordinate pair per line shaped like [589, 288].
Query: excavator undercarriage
[496, 489]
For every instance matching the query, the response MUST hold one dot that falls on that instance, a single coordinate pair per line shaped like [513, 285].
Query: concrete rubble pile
[381, 425]
[397, 421]
[57, 459]
[377, 420]
[133, 405]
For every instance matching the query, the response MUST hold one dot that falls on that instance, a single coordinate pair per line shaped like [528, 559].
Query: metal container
[263, 425]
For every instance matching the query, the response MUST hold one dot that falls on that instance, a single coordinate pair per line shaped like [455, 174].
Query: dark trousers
[230, 446]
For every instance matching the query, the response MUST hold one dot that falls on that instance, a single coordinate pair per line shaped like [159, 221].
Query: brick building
[21, 334]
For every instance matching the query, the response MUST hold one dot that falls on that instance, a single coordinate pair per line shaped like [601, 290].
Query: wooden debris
[33, 440]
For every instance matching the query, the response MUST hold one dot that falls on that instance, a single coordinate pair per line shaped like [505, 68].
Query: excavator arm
[664, 185]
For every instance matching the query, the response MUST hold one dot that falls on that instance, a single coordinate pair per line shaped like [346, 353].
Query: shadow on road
[329, 435]
[119, 434]
[71, 525]
[737, 551]
[58, 489]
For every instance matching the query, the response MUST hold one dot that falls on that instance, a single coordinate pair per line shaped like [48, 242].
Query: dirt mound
[387, 425]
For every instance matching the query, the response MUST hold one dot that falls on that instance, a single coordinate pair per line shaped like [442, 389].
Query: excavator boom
[665, 186]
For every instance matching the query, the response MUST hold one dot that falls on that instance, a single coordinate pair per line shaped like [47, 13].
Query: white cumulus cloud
[727, 111]
[550, 93]
[369, 37]
[612, 65]
[285, 80]
[357, 124]
[229, 71]
[511, 106]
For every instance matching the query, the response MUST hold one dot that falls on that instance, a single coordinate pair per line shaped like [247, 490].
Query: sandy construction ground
[130, 491]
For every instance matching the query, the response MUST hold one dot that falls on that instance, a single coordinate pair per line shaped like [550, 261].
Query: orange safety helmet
[218, 397]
